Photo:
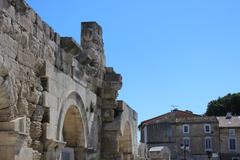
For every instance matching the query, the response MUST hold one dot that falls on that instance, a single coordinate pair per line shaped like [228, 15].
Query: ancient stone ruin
[57, 97]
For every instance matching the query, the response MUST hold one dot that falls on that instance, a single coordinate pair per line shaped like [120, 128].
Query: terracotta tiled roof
[169, 117]
[197, 119]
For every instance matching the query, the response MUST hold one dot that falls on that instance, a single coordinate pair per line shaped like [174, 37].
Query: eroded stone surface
[58, 96]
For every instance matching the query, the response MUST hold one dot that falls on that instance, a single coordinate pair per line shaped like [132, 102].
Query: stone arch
[73, 128]
[126, 142]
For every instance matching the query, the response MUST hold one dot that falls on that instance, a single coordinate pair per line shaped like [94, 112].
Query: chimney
[229, 115]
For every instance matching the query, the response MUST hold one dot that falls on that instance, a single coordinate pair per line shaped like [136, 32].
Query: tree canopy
[228, 103]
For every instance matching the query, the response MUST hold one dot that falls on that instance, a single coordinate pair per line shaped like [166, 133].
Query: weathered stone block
[111, 127]
[7, 114]
[110, 94]
[36, 145]
[11, 12]
[26, 23]
[121, 105]
[70, 45]
[84, 59]
[31, 15]
[15, 32]
[111, 75]
[78, 70]
[20, 5]
[45, 83]
[5, 22]
[4, 4]
[66, 57]
[5, 95]
[26, 59]
[92, 42]
[33, 96]
[113, 85]
[22, 106]
[38, 114]
[49, 100]
[38, 33]
[36, 130]
[36, 155]
[67, 68]
[8, 46]
[34, 45]
[110, 142]
[109, 102]
[17, 125]
[108, 115]
[59, 60]
[52, 34]
[39, 22]
[109, 106]
[24, 40]
[31, 108]
[57, 38]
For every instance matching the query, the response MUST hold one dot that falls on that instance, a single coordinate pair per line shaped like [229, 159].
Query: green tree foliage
[228, 103]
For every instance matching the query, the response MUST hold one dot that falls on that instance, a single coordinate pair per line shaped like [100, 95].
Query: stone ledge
[17, 125]
[84, 58]
[121, 105]
[70, 45]
[11, 138]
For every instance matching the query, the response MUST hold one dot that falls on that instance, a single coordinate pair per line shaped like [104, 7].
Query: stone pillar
[80, 153]
[110, 132]
[53, 149]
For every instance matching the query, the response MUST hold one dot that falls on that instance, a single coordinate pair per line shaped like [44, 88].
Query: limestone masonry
[57, 97]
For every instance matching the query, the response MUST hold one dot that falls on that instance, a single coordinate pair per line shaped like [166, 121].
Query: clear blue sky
[169, 52]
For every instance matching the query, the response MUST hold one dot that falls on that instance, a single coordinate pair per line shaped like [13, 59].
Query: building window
[207, 128]
[185, 128]
[67, 153]
[208, 144]
[232, 144]
[186, 142]
[231, 132]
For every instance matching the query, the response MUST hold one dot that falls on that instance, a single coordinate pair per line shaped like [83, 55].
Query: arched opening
[73, 135]
[125, 143]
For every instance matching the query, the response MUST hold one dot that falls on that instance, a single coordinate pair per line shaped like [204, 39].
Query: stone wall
[56, 93]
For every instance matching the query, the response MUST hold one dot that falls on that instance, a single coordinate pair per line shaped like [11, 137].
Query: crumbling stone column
[110, 135]
[92, 43]
[52, 149]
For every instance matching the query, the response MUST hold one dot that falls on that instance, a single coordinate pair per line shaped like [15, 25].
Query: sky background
[169, 52]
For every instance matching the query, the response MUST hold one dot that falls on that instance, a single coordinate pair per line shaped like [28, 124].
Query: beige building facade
[229, 128]
[200, 135]
[193, 137]
[58, 99]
